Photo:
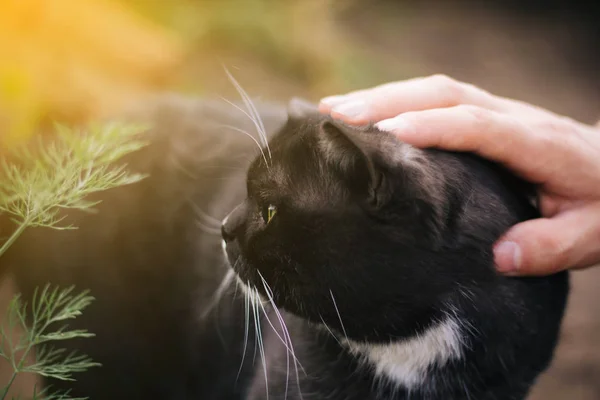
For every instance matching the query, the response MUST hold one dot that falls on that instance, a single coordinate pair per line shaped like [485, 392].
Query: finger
[551, 205]
[543, 246]
[539, 153]
[493, 135]
[389, 100]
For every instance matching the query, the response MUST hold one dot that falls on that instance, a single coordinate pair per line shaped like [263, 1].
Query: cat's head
[348, 223]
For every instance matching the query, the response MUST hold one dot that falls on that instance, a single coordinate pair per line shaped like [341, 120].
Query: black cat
[376, 255]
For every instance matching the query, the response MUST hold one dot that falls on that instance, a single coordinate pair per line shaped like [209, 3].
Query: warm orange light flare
[76, 59]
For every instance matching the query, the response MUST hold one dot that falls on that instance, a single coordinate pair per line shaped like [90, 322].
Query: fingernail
[352, 109]
[507, 256]
[399, 126]
[333, 101]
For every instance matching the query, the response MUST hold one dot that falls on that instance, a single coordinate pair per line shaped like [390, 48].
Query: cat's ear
[300, 109]
[351, 152]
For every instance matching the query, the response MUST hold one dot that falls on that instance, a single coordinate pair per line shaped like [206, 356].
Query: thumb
[543, 246]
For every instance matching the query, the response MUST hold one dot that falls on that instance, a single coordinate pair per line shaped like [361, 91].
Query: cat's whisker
[256, 337]
[248, 113]
[246, 329]
[330, 331]
[225, 167]
[260, 128]
[286, 332]
[288, 338]
[227, 279]
[255, 114]
[235, 292]
[290, 351]
[338, 314]
[239, 109]
[283, 340]
[261, 131]
[202, 214]
[208, 229]
[279, 317]
[261, 348]
[205, 222]
[235, 128]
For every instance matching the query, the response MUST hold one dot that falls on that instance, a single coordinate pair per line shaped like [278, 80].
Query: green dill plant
[37, 181]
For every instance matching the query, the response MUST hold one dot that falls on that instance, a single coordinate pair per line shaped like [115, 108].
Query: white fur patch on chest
[406, 362]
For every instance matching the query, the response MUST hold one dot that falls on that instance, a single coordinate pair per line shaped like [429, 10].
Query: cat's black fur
[372, 242]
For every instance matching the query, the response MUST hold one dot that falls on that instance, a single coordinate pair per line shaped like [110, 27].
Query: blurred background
[77, 60]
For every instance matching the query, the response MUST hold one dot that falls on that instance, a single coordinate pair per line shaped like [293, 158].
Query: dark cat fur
[401, 238]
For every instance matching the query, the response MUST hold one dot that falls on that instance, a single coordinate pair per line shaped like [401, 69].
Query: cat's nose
[234, 223]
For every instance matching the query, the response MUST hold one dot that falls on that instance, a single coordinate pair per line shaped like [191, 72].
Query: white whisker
[284, 341]
[338, 313]
[205, 222]
[286, 333]
[246, 329]
[208, 229]
[281, 321]
[216, 222]
[330, 331]
[234, 128]
[252, 110]
[239, 109]
[219, 293]
[261, 347]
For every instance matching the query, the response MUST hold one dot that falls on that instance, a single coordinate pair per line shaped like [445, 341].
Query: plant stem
[14, 237]
[3, 249]
[7, 387]
[17, 368]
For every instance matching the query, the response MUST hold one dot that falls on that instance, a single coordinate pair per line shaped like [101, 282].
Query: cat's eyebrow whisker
[260, 128]
[261, 131]
[235, 128]
[262, 136]
[338, 314]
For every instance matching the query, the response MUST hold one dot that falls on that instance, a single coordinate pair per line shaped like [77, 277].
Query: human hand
[560, 155]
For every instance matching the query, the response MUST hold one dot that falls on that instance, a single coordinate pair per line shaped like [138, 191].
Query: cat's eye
[269, 213]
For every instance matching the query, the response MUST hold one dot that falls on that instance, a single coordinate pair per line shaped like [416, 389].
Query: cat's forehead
[295, 170]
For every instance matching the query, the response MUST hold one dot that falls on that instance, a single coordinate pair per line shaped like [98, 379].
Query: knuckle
[479, 116]
[556, 125]
[451, 89]
[553, 137]
[442, 80]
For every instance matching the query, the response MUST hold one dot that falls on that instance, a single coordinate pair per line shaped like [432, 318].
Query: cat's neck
[406, 362]
[448, 360]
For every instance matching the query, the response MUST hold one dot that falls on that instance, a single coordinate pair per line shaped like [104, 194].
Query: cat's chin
[245, 279]
[233, 257]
